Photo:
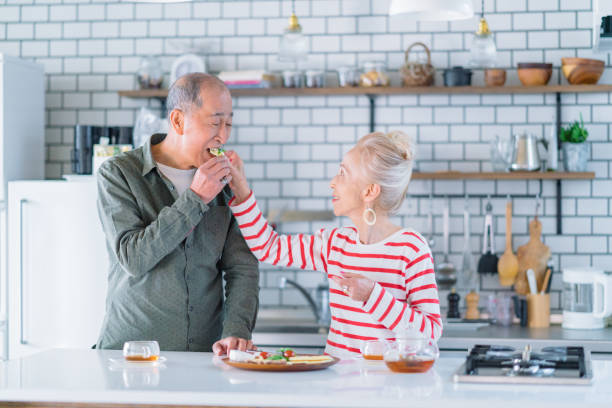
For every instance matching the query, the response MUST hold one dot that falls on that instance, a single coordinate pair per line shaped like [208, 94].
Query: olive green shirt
[169, 255]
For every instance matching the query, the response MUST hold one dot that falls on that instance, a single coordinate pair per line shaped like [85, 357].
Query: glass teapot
[411, 353]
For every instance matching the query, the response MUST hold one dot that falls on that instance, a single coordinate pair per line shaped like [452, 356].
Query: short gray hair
[185, 92]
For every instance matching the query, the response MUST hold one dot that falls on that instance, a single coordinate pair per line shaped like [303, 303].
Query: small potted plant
[575, 149]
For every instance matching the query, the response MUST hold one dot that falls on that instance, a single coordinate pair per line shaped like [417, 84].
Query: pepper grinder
[472, 312]
[453, 305]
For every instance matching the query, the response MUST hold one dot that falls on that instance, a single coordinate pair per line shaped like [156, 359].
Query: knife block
[538, 310]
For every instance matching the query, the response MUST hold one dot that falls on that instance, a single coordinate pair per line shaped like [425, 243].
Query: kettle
[587, 298]
[525, 156]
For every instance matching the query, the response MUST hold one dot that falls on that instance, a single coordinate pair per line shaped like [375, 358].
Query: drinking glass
[141, 350]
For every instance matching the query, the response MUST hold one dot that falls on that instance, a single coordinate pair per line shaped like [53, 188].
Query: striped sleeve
[301, 250]
[421, 311]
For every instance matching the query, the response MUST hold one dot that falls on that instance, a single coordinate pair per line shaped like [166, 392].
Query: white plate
[186, 64]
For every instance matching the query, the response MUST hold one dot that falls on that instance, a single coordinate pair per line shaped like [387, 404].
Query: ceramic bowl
[495, 76]
[579, 71]
[534, 74]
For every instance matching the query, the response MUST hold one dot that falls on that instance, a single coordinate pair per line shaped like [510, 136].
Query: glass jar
[293, 79]
[348, 76]
[315, 79]
[411, 355]
[374, 74]
[150, 73]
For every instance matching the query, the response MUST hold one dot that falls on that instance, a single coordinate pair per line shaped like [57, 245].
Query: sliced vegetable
[217, 151]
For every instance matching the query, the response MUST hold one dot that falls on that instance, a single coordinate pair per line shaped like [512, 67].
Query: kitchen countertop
[199, 379]
[455, 338]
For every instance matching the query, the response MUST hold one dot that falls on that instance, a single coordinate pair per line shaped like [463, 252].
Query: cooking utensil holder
[538, 310]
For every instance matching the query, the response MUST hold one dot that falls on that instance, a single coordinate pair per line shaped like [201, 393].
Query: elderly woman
[381, 275]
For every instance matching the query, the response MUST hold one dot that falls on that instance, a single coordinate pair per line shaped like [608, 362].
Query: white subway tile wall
[292, 145]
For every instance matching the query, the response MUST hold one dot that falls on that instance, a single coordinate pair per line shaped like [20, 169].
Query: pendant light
[433, 10]
[483, 52]
[293, 45]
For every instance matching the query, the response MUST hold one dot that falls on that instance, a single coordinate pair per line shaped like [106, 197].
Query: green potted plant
[575, 149]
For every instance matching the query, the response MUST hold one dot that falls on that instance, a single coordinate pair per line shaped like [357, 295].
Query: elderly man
[171, 237]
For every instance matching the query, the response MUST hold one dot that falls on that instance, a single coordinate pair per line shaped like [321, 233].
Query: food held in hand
[217, 151]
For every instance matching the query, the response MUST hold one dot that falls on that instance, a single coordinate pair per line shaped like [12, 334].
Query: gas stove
[502, 364]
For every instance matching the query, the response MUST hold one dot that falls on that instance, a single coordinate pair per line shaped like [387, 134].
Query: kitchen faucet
[321, 312]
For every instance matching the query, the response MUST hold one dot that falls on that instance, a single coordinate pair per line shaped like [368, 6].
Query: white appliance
[58, 265]
[587, 298]
[22, 145]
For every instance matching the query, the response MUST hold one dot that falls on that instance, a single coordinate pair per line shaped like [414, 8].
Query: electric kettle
[587, 298]
[525, 156]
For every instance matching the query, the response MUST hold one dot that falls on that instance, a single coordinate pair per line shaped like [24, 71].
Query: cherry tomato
[263, 355]
[288, 353]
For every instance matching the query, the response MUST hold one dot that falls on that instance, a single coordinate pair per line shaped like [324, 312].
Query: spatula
[508, 263]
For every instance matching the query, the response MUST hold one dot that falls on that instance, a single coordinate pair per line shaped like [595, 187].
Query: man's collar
[147, 153]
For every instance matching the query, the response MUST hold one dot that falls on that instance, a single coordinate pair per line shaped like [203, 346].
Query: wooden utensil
[508, 264]
[471, 299]
[532, 255]
[545, 283]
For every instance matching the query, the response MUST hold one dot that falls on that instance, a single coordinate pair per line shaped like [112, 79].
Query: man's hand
[211, 177]
[239, 184]
[355, 286]
[224, 346]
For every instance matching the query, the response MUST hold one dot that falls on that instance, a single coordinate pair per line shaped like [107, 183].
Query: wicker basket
[417, 74]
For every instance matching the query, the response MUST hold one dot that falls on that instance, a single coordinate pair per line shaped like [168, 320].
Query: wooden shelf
[162, 93]
[517, 175]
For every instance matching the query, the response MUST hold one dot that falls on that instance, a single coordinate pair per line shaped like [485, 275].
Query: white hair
[387, 161]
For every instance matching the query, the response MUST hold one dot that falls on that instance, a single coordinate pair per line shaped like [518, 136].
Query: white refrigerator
[58, 265]
[22, 144]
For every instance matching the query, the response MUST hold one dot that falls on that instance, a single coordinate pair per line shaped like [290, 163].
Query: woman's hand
[238, 183]
[355, 286]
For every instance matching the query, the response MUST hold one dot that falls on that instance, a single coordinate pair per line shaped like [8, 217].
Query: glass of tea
[374, 349]
[141, 350]
[411, 355]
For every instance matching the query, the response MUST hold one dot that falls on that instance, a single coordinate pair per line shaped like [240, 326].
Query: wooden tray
[280, 367]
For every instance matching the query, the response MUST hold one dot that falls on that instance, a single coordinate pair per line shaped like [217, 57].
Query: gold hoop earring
[365, 216]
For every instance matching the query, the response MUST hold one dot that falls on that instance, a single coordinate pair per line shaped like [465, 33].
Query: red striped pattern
[366, 269]
[402, 269]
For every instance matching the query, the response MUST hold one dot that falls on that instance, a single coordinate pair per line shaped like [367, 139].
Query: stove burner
[525, 362]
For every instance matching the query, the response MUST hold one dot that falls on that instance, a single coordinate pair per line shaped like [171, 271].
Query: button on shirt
[170, 254]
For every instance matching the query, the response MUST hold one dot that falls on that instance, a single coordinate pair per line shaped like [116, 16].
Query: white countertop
[200, 379]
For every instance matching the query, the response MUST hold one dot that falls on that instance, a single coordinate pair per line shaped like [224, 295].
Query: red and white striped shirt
[405, 296]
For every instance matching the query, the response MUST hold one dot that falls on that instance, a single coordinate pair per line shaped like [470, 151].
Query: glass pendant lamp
[433, 10]
[293, 45]
[483, 52]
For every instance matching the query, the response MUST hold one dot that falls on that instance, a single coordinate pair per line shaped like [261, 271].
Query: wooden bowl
[580, 71]
[495, 76]
[534, 74]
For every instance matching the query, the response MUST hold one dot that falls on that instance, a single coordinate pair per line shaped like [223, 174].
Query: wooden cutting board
[533, 255]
